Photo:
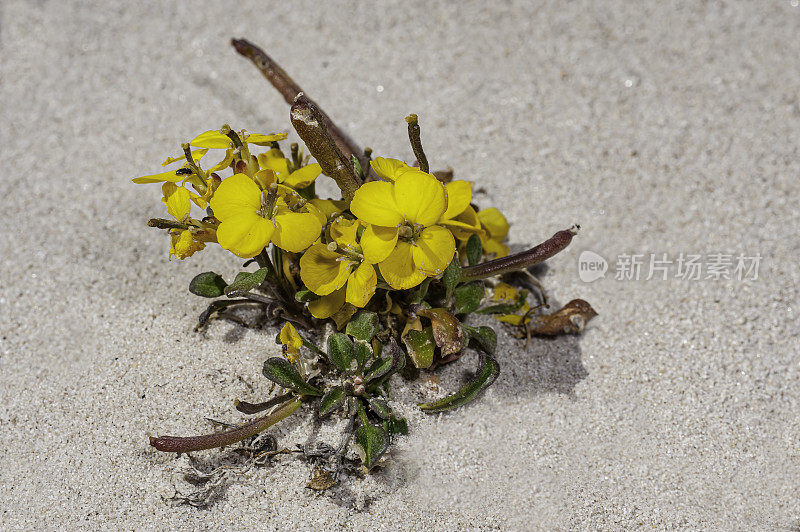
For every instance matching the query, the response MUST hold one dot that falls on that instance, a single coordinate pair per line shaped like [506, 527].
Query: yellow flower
[250, 219]
[182, 243]
[291, 341]
[495, 228]
[273, 161]
[403, 235]
[339, 271]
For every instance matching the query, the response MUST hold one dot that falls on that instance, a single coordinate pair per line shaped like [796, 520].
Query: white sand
[661, 129]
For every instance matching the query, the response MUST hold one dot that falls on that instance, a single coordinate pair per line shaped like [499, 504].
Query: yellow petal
[493, 246]
[327, 306]
[177, 200]
[196, 155]
[264, 140]
[345, 233]
[304, 176]
[235, 196]
[374, 203]
[211, 139]
[398, 269]
[378, 242]
[494, 222]
[419, 197]
[459, 196]
[290, 337]
[322, 270]
[169, 177]
[295, 231]
[245, 235]
[505, 292]
[389, 169]
[361, 285]
[434, 250]
[275, 161]
[182, 244]
[512, 319]
[329, 207]
[265, 178]
[224, 163]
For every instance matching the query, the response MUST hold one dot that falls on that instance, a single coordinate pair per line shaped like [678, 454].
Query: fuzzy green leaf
[305, 295]
[340, 351]
[363, 325]
[362, 352]
[331, 401]
[283, 373]
[451, 277]
[372, 442]
[379, 368]
[207, 284]
[420, 346]
[485, 336]
[396, 425]
[474, 250]
[468, 297]
[379, 407]
[487, 373]
[246, 281]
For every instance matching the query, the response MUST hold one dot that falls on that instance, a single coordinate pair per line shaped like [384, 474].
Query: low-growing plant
[381, 279]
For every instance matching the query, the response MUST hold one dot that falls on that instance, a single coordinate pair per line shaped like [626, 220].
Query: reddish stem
[520, 261]
[179, 444]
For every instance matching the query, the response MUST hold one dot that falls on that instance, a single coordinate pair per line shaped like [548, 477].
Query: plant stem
[161, 223]
[416, 142]
[520, 261]
[309, 124]
[289, 89]
[178, 444]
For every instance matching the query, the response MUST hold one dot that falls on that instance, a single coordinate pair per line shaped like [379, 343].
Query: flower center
[409, 232]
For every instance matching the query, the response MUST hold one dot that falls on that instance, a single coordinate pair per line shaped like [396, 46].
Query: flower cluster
[403, 225]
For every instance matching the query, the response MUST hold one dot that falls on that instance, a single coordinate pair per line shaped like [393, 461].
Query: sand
[662, 128]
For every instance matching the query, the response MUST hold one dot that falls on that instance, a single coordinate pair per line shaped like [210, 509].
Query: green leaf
[305, 295]
[379, 368]
[487, 373]
[372, 441]
[357, 167]
[379, 407]
[207, 284]
[474, 250]
[283, 373]
[363, 326]
[331, 401]
[396, 425]
[468, 297]
[451, 277]
[420, 346]
[485, 336]
[363, 352]
[340, 351]
[246, 281]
